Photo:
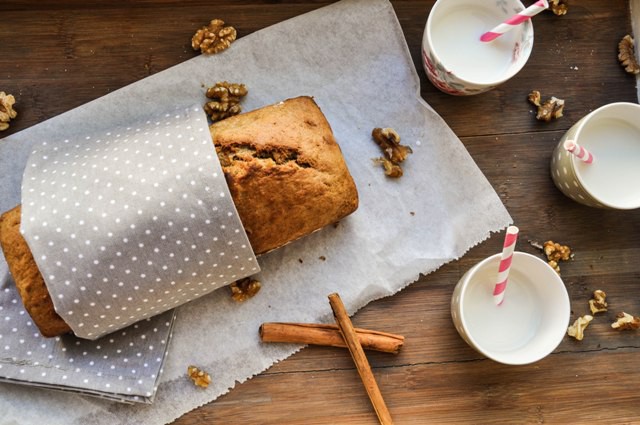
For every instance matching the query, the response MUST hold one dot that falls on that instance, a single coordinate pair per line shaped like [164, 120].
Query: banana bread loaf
[286, 175]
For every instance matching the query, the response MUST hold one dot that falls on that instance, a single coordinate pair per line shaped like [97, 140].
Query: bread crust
[27, 277]
[285, 171]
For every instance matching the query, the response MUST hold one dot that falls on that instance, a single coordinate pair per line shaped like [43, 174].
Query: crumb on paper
[579, 325]
[199, 377]
[627, 56]
[225, 100]
[394, 153]
[552, 108]
[598, 304]
[558, 7]
[7, 113]
[213, 38]
[625, 321]
[243, 289]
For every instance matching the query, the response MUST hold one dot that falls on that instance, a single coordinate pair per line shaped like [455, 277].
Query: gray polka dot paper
[132, 222]
[124, 366]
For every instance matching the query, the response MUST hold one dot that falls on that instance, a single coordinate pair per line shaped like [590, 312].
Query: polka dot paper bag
[124, 226]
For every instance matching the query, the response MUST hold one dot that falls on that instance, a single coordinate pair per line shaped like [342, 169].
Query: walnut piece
[243, 289]
[7, 113]
[213, 38]
[626, 321]
[199, 377]
[225, 101]
[394, 153]
[626, 55]
[558, 7]
[577, 329]
[598, 303]
[555, 253]
[550, 109]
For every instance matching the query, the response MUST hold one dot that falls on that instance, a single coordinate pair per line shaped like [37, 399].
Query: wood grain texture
[56, 55]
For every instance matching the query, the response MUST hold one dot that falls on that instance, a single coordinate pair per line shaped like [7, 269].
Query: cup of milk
[529, 323]
[454, 58]
[611, 134]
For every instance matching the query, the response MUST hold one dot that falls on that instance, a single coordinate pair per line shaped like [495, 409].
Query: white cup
[455, 59]
[611, 134]
[528, 325]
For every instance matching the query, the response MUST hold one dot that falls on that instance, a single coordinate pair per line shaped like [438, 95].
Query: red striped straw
[505, 263]
[573, 147]
[515, 20]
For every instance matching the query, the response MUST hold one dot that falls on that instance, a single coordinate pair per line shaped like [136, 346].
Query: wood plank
[59, 55]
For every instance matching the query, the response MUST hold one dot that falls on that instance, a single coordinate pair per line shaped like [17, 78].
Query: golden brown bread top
[27, 277]
[285, 171]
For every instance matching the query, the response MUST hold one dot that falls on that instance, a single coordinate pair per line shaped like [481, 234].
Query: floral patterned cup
[455, 59]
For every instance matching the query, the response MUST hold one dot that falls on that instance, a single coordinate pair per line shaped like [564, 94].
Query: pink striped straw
[515, 20]
[573, 147]
[505, 263]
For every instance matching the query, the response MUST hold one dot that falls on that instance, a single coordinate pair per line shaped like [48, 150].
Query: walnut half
[626, 55]
[199, 377]
[213, 38]
[394, 153]
[625, 321]
[550, 109]
[225, 100]
[243, 289]
[7, 113]
[598, 303]
[577, 329]
[558, 7]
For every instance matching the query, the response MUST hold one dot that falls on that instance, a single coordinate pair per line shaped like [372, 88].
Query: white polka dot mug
[597, 162]
[455, 59]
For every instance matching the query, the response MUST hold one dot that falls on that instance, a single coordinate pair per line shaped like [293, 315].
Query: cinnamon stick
[360, 359]
[328, 335]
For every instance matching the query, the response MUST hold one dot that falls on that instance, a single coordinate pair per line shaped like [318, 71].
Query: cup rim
[553, 342]
[514, 71]
[574, 161]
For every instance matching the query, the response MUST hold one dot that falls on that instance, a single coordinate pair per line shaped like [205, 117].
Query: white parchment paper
[352, 57]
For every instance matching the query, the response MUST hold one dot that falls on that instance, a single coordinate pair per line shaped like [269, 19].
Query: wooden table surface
[56, 55]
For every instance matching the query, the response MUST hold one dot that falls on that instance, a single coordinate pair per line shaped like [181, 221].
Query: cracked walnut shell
[7, 113]
[243, 289]
[199, 377]
[213, 38]
[626, 55]
[577, 329]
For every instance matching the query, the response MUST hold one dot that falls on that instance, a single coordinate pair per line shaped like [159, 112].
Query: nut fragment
[559, 7]
[243, 289]
[225, 101]
[626, 321]
[199, 377]
[577, 329]
[598, 303]
[7, 113]
[626, 55]
[555, 253]
[394, 153]
[213, 38]
[551, 108]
